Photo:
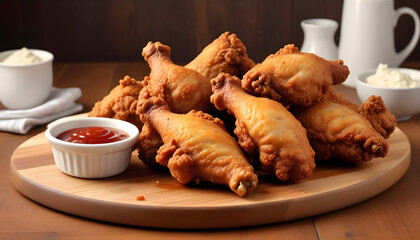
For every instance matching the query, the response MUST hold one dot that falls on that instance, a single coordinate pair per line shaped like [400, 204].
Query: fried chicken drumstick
[121, 102]
[226, 54]
[373, 109]
[268, 128]
[335, 130]
[182, 88]
[196, 147]
[294, 78]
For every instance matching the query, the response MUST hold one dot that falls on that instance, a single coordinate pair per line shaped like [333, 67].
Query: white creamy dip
[388, 78]
[22, 57]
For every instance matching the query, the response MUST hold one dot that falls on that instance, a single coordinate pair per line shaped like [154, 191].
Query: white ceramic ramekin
[92, 160]
[26, 86]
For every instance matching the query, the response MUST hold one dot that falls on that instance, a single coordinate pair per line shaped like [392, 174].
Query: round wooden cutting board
[169, 204]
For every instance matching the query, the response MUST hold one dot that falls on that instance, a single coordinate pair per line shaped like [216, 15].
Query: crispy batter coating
[121, 102]
[268, 127]
[226, 54]
[197, 147]
[182, 88]
[373, 109]
[149, 142]
[335, 130]
[294, 78]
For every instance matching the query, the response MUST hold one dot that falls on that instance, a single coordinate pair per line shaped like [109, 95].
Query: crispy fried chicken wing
[197, 147]
[373, 109]
[294, 78]
[226, 54]
[182, 88]
[121, 102]
[266, 126]
[335, 130]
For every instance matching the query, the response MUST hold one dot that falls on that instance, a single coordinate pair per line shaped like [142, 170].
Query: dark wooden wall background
[117, 30]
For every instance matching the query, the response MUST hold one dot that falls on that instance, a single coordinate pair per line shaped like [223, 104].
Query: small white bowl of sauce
[26, 78]
[92, 147]
[403, 102]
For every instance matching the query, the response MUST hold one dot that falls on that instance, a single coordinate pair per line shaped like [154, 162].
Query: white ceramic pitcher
[319, 37]
[367, 35]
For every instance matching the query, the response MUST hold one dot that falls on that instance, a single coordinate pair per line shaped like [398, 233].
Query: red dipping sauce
[92, 135]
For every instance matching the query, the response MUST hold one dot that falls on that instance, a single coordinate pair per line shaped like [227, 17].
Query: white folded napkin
[60, 103]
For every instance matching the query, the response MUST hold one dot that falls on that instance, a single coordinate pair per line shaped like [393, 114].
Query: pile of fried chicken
[285, 110]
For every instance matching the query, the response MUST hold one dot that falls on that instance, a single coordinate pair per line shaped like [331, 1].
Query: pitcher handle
[403, 54]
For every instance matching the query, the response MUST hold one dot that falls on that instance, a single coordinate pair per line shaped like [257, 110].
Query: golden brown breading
[182, 88]
[197, 147]
[149, 142]
[226, 54]
[373, 109]
[335, 130]
[294, 78]
[266, 126]
[121, 102]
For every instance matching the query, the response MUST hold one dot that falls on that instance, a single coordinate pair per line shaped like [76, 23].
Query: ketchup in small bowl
[92, 147]
[93, 135]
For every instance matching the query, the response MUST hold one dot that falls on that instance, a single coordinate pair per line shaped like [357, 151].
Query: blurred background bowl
[25, 86]
[402, 102]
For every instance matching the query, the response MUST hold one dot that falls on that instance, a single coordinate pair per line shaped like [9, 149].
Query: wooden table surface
[393, 214]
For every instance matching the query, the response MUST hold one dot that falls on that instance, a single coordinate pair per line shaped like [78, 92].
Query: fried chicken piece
[373, 109]
[294, 78]
[149, 142]
[267, 127]
[226, 54]
[121, 102]
[335, 130]
[182, 88]
[197, 147]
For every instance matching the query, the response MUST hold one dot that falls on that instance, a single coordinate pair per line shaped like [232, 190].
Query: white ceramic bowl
[25, 86]
[402, 102]
[92, 160]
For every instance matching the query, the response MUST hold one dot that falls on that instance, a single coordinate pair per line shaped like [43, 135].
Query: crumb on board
[140, 198]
